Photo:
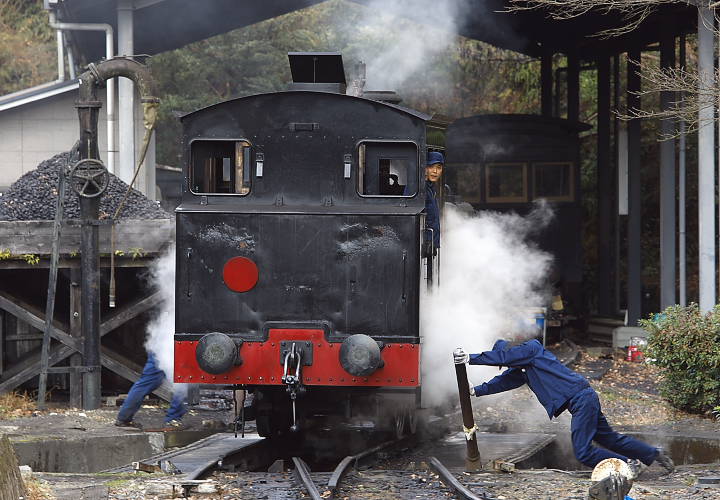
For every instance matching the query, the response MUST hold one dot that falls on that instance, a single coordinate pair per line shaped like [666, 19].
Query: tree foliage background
[26, 45]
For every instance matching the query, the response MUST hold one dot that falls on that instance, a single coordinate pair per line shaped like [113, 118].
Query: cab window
[220, 167]
[387, 169]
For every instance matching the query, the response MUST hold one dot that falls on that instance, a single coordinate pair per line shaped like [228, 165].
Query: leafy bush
[686, 345]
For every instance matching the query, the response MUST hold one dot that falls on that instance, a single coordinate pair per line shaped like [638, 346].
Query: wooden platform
[192, 458]
[135, 240]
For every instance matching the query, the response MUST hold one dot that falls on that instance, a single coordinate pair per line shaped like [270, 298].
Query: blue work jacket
[529, 363]
[432, 212]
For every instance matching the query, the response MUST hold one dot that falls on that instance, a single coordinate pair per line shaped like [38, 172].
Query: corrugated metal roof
[37, 93]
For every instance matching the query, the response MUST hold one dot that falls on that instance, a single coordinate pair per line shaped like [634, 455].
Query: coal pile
[34, 197]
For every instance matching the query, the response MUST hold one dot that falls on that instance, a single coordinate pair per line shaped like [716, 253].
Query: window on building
[506, 183]
[553, 181]
[220, 167]
[387, 169]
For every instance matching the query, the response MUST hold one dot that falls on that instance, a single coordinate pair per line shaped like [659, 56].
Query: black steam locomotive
[299, 241]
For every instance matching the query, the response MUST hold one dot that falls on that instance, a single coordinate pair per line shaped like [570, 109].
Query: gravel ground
[34, 197]
[630, 401]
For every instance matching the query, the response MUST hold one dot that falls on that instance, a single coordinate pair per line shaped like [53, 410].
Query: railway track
[233, 464]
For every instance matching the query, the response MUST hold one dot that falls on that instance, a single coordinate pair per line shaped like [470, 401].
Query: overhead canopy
[162, 25]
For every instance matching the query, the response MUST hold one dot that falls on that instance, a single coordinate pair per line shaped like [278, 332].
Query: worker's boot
[664, 460]
[636, 468]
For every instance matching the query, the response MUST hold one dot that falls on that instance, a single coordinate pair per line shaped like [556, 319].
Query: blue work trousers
[151, 378]
[589, 424]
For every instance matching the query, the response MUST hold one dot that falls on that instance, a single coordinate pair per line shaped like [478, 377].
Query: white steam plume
[415, 44]
[490, 277]
[161, 329]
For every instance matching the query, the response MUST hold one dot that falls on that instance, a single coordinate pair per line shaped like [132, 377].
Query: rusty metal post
[472, 454]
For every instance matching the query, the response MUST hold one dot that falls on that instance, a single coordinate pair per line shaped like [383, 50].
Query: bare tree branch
[632, 12]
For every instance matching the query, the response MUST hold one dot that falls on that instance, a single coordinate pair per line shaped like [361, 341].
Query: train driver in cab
[433, 173]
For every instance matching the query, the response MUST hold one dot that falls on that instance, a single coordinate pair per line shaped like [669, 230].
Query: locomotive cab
[299, 253]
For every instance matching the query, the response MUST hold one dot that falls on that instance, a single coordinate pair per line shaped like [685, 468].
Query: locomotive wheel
[264, 425]
[412, 422]
[399, 425]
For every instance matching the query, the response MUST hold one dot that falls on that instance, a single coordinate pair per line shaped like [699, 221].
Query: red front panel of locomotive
[261, 363]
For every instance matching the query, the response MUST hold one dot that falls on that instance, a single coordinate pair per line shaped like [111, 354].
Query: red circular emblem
[240, 274]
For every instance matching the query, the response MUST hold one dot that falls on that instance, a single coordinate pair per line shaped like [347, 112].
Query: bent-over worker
[558, 389]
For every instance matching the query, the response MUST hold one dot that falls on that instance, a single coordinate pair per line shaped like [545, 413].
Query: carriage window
[467, 181]
[553, 181]
[220, 167]
[387, 169]
[506, 183]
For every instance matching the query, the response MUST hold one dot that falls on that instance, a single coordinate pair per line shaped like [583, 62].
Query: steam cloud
[490, 278]
[389, 67]
[161, 329]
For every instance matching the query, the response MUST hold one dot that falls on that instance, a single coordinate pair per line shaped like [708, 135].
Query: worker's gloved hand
[460, 356]
[472, 387]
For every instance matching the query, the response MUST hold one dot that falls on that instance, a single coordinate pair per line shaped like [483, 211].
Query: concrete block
[623, 334]
[92, 454]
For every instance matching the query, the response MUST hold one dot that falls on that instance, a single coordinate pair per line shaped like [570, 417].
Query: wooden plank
[25, 312]
[130, 371]
[16, 262]
[130, 312]
[35, 237]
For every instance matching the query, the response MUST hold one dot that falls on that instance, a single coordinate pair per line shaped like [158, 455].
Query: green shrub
[686, 344]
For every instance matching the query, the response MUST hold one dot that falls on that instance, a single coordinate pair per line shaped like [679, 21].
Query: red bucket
[634, 350]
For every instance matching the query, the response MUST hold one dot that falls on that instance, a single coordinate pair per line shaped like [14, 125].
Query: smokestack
[317, 71]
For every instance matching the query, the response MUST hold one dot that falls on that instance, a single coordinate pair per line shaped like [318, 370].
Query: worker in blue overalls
[433, 172]
[558, 389]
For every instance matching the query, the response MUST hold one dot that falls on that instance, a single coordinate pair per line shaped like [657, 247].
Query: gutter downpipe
[109, 53]
[60, 55]
[88, 110]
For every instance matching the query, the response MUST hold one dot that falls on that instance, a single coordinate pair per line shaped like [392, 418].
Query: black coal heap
[34, 197]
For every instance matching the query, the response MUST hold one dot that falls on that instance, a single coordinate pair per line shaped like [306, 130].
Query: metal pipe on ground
[472, 456]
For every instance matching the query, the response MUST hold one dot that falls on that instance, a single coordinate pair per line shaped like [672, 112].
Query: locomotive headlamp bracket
[303, 347]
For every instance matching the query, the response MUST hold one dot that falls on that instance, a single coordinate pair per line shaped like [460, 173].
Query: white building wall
[37, 131]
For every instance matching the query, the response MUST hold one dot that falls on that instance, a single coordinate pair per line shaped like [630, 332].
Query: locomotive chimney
[317, 71]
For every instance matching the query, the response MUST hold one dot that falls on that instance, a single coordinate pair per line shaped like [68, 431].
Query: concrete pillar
[634, 223]
[546, 82]
[706, 163]
[617, 92]
[667, 183]
[604, 189]
[682, 147]
[126, 94]
[573, 86]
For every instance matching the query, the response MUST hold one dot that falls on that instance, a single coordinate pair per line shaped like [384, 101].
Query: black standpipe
[88, 111]
[90, 298]
[90, 179]
[472, 454]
